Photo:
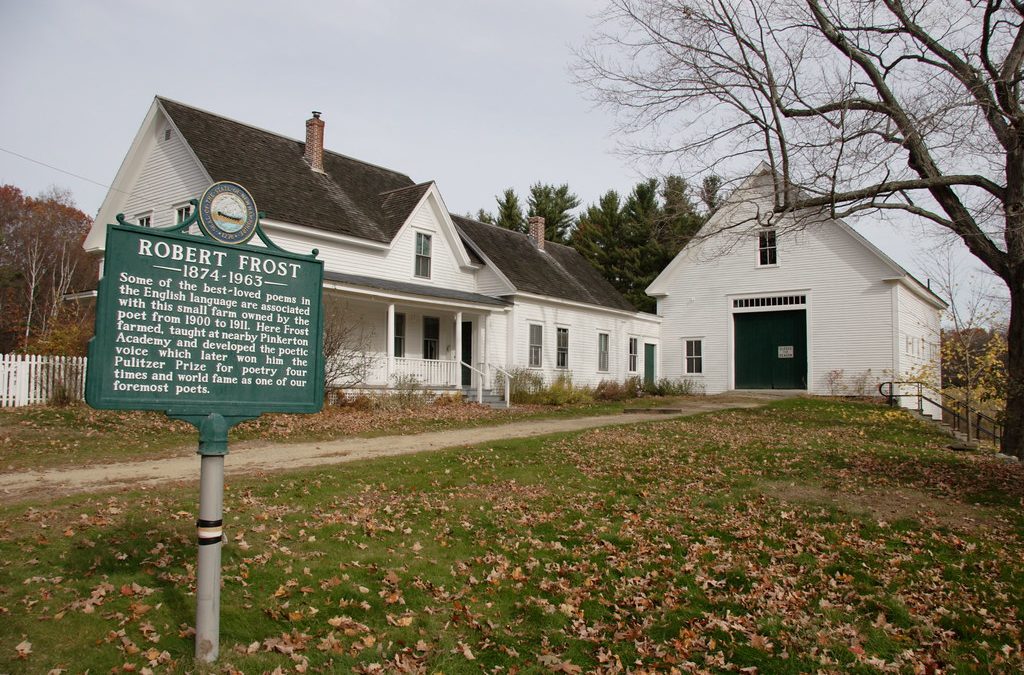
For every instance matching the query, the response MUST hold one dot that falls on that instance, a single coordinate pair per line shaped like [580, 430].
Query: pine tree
[510, 213]
[555, 205]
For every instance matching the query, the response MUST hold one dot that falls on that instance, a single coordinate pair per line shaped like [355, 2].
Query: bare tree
[858, 106]
[347, 344]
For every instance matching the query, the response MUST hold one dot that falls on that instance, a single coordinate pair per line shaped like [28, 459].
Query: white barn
[809, 306]
[448, 301]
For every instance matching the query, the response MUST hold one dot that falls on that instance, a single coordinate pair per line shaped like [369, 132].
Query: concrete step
[489, 397]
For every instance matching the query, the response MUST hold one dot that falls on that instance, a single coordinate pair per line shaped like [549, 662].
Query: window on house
[145, 221]
[767, 253]
[431, 333]
[633, 354]
[167, 134]
[602, 351]
[562, 348]
[422, 255]
[399, 334]
[536, 345]
[694, 357]
[182, 213]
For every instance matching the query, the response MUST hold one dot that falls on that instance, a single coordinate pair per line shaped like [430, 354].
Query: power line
[55, 168]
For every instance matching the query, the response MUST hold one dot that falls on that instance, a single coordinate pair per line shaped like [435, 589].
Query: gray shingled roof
[367, 201]
[414, 289]
[346, 198]
[558, 271]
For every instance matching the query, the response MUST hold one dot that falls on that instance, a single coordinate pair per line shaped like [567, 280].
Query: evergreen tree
[483, 217]
[510, 213]
[709, 192]
[555, 205]
[595, 235]
[681, 217]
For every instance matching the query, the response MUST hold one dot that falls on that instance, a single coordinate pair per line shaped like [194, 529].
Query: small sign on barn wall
[785, 351]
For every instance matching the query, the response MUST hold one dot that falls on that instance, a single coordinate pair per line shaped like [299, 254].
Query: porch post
[458, 350]
[390, 343]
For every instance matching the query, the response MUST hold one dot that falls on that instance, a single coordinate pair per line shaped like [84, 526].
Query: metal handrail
[508, 383]
[479, 382]
[960, 412]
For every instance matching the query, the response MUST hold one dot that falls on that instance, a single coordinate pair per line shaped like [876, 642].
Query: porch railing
[428, 372]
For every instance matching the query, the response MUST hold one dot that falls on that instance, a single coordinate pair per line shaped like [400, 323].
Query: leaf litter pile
[811, 536]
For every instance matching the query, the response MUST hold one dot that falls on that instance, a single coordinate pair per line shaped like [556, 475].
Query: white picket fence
[28, 379]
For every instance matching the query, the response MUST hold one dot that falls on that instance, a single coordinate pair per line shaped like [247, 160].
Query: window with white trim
[400, 335]
[634, 346]
[602, 352]
[767, 251]
[562, 348]
[422, 255]
[145, 220]
[536, 345]
[694, 362]
[182, 213]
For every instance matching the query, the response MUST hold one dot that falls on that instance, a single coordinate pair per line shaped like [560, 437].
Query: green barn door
[771, 350]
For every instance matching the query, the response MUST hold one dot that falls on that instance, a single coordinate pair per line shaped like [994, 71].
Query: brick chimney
[314, 153]
[537, 231]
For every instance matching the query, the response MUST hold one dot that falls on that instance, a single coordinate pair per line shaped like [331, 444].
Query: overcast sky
[474, 95]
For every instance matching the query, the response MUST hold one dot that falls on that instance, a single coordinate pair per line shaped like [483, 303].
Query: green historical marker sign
[211, 330]
[192, 326]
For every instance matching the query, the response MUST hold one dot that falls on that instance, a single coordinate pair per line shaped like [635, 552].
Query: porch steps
[490, 398]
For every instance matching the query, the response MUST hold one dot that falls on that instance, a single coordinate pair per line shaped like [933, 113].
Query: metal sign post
[212, 331]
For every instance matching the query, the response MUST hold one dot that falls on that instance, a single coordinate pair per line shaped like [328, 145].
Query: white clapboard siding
[584, 324]
[170, 176]
[27, 379]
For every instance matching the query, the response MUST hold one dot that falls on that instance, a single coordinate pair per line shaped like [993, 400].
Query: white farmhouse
[446, 300]
[799, 305]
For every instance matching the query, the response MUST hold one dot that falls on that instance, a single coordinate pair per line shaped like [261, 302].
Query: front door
[467, 353]
[649, 363]
[771, 350]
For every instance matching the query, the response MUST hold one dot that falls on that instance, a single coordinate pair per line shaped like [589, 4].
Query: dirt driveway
[250, 457]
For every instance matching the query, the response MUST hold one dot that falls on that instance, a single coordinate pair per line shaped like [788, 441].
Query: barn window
[694, 364]
[766, 250]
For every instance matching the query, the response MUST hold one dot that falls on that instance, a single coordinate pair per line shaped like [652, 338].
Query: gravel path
[253, 458]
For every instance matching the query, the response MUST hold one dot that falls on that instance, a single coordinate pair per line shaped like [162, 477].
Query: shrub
[609, 390]
[682, 387]
[562, 392]
[527, 386]
[524, 384]
[406, 394]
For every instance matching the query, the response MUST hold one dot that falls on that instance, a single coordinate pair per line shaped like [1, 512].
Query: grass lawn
[45, 437]
[811, 535]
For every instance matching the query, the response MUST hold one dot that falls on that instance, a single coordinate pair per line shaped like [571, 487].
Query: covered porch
[401, 335]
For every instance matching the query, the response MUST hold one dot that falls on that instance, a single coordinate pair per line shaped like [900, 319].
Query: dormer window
[422, 255]
[767, 252]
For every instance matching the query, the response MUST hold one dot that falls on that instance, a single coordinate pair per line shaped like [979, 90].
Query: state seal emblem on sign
[227, 213]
